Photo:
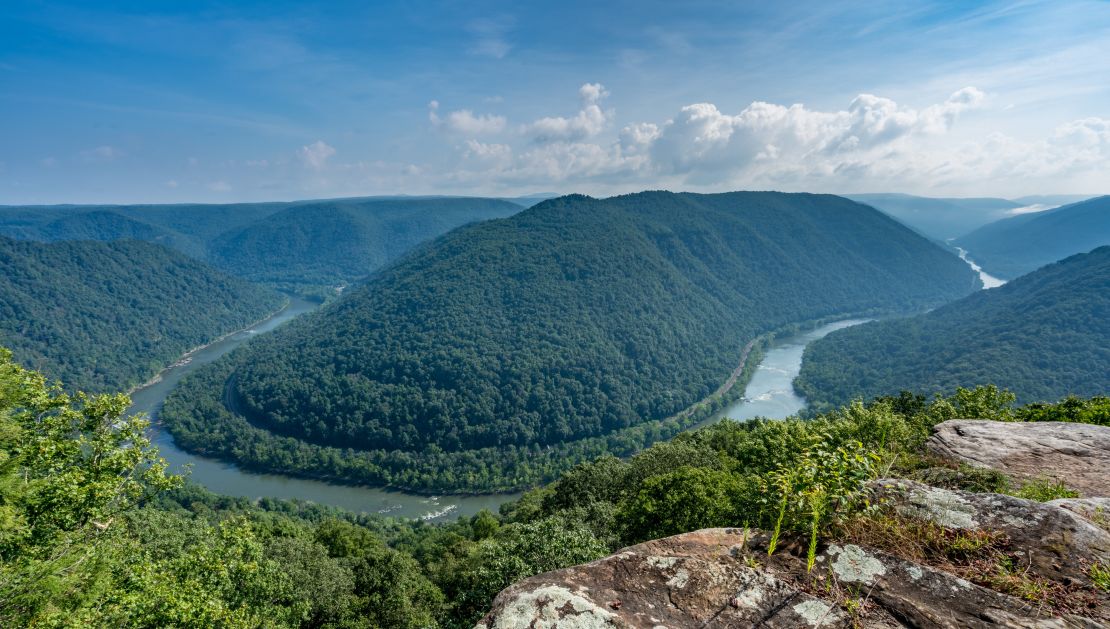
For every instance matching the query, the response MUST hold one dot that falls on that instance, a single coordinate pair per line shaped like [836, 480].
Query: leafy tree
[71, 465]
[685, 499]
[517, 551]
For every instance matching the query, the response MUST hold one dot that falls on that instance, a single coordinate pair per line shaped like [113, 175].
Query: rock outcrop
[1059, 544]
[725, 578]
[1097, 510]
[921, 556]
[1077, 455]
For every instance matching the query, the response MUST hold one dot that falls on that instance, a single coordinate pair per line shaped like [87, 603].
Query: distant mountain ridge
[106, 316]
[512, 345]
[939, 218]
[1043, 335]
[1019, 244]
[327, 241]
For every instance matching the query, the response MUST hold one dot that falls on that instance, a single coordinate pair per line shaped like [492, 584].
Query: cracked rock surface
[1059, 539]
[717, 578]
[1077, 455]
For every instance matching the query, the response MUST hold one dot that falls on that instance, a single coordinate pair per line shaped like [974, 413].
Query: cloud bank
[872, 143]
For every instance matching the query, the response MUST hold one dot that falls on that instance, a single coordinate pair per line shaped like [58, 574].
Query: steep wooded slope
[1043, 336]
[104, 316]
[1018, 245]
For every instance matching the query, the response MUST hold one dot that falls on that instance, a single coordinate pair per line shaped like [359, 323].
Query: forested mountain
[104, 225]
[939, 219]
[305, 242]
[515, 344]
[1017, 245]
[105, 316]
[1042, 336]
[337, 241]
[186, 227]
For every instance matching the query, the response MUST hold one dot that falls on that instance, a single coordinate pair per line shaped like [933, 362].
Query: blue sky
[231, 101]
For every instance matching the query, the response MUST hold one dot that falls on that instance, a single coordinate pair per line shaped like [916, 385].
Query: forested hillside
[105, 316]
[503, 351]
[337, 241]
[1015, 246]
[939, 219]
[186, 227]
[304, 242]
[1042, 336]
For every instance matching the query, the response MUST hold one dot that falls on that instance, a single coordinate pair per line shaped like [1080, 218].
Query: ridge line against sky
[132, 102]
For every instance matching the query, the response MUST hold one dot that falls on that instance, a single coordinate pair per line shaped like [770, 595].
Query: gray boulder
[1097, 510]
[1059, 544]
[1077, 455]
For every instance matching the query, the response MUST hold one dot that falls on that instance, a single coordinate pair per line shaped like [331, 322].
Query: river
[225, 478]
[769, 394]
[989, 281]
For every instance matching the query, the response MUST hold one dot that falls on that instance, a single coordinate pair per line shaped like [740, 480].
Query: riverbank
[232, 479]
[187, 356]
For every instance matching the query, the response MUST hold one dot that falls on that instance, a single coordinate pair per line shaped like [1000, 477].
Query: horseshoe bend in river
[769, 394]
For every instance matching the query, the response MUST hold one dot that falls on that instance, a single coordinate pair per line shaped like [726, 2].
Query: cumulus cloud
[873, 142]
[315, 155]
[465, 122]
[940, 118]
[589, 121]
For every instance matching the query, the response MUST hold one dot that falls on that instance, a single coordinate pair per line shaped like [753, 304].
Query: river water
[769, 394]
[225, 478]
[989, 281]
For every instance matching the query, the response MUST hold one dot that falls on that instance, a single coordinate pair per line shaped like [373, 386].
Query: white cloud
[315, 155]
[940, 118]
[499, 153]
[218, 186]
[872, 143]
[172, 183]
[465, 122]
[490, 37]
[589, 121]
